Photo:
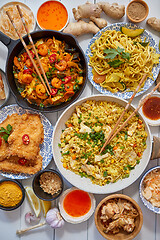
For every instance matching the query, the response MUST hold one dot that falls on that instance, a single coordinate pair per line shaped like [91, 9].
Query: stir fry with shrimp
[62, 67]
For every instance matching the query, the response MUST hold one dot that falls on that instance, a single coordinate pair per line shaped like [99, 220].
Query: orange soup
[77, 203]
[52, 15]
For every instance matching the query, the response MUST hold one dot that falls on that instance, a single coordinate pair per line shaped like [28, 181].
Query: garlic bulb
[30, 217]
[54, 219]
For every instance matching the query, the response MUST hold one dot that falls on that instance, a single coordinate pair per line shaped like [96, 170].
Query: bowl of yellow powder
[12, 194]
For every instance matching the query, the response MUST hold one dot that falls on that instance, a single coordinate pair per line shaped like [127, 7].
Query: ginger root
[113, 10]
[100, 22]
[86, 10]
[154, 23]
[81, 27]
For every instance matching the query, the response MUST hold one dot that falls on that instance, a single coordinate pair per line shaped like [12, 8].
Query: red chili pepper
[67, 79]
[32, 54]
[25, 139]
[53, 91]
[22, 161]
[28, 71]
[0, 141]
[52, 58]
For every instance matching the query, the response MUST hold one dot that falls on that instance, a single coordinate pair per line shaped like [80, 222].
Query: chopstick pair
[112, 134]
[28, 52]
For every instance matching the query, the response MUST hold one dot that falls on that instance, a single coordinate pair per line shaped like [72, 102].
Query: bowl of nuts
[47, 184]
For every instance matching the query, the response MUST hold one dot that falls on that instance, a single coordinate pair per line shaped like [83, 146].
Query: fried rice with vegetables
[85, 133]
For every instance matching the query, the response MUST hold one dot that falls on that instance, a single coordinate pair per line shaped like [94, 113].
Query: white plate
[85, 183]
[6, 89]
[149, 121]
[45, 148]
[148, 82]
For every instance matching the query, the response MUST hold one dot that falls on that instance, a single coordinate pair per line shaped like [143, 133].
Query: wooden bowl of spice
[137, 11]
[48, 184]
[12, 194]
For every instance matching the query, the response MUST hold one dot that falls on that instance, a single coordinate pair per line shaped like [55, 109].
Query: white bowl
[149, 121]
[85, 183]
[80, 219]
[141, 187]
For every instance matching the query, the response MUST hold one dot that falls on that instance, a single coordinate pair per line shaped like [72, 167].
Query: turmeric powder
[10, 194]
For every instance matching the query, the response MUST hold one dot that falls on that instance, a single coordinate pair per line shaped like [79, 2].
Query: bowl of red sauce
[76, 205]
[151, 109]
[52, 15]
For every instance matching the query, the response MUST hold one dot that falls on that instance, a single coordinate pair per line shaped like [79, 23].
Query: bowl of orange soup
[52, 15]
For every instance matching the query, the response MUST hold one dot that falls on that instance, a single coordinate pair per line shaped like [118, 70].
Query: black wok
[15, 47]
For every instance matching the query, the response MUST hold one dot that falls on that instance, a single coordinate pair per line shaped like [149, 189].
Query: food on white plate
[6, 26]
[154, 23]
[50, 183]
[2, 92]
[81, 27]
[118, 214]
[63, 69]
[151, 187]
[76, 206]
[20, 139]
[132, 32]
[87, 130]
[119, 62]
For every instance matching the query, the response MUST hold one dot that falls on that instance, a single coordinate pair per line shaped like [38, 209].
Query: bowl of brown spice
[137, 11]
[48, 184]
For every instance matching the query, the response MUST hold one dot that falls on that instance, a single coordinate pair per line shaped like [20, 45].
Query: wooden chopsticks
[29, 54]
[111, 136]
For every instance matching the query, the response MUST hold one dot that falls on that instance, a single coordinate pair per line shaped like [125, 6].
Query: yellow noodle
[141, 61]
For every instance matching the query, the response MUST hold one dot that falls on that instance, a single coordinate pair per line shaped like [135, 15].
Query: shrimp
[17, 63]
[56, 82]
[40, 89]
[45, 67]
[61, 66]
[42, 49]
[28, 63]
[26, 78]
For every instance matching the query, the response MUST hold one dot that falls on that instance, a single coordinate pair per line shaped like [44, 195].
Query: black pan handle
[7, 41]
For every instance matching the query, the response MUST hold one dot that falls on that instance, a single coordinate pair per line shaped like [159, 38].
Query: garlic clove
[54, 219]
[30, 217]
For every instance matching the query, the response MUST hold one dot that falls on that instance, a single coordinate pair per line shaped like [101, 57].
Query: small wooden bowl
[138, 20]
[122, 235]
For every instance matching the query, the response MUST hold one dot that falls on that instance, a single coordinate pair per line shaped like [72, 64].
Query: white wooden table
[11, 221]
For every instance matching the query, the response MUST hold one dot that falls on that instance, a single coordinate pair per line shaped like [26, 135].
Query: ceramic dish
[6, 89]
[23, 195]
[10, 4]
[49, 11]
[85, 183]
[140, 19]
[141, 188]
[148, 82]
[122, 234]
[149, 121]
[71, 219]
[46, 147]
[39, 191]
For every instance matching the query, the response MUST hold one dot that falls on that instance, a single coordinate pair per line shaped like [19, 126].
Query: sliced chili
[22, 161]
[52, 58]
[25, 139]
[67, 79]
[28, 71]
[0, 141]
[53, 91]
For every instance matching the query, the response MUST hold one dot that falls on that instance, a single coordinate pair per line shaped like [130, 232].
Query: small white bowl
[52, 29]
[6, 89]
[149, 121]
[141, 187]
[70, 218]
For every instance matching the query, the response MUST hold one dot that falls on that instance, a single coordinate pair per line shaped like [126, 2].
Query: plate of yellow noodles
[116, 62]
[81, 132]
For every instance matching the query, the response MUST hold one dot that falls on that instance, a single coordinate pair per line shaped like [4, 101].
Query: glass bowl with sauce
[76, 205]
[137, 11]
[151, 109]
[52, 15]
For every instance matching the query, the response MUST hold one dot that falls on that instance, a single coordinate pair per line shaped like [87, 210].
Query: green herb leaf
[105, 174]
[144, 44]
[126, 55]
[111, 53]
[115, 63]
